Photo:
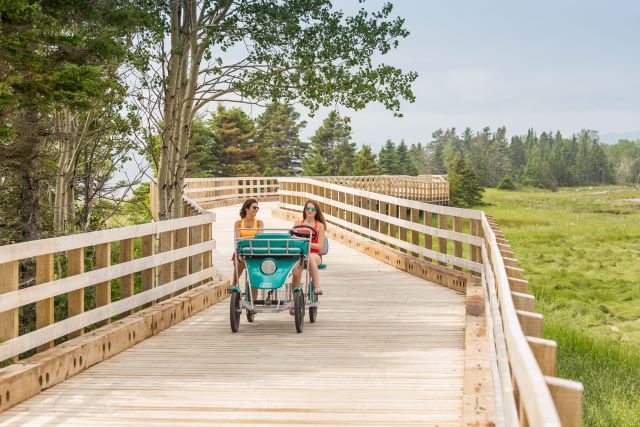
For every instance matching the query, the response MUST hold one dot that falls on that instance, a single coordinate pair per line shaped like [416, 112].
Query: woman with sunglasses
[312, 217]
[247, 226]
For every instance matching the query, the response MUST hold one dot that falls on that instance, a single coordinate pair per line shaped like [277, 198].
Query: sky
[546, 65]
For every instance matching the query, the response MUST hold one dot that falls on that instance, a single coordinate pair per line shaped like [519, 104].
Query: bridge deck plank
[375, 357]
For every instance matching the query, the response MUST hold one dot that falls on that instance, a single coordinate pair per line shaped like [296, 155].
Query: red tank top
[315, 251]
[315, 226]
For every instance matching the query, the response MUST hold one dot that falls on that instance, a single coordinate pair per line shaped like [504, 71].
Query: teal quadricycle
[270, 257]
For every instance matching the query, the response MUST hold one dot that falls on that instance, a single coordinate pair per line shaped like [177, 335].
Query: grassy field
[580, 249]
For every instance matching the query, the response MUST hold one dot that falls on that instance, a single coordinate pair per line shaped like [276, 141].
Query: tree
[365, 162]
[297, 50]
[388, 159]
[418, 155]
[278, 138]
[55, 58]
[465, 192]
[405, 163]
[323, 158]
[203, 160]
[233, 132]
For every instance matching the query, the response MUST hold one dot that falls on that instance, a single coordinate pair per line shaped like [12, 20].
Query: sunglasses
[255, 208]
[310, 208]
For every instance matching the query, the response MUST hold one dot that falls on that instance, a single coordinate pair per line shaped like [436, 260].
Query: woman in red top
[312, 217]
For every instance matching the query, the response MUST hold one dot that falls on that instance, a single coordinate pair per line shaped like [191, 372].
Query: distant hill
[614, 137]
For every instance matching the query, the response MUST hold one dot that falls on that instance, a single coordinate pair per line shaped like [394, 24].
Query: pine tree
[345, 153]
[202, 160]
[365, 162]
[388, 158]
[418, 155]
[405, 164]
[233, 132]
[323, 159]
[278, 138]
[465, 192]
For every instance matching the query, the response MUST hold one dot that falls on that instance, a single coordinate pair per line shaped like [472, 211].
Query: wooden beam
[519, 285]
[9, 278]
[127, 281]
[442, 242]
[147, 276]
[103, 289]
[567, 396]
[75, 299]
[524, 302]
[531, 323]
[546, 353]
[457, 245]
[44, 309]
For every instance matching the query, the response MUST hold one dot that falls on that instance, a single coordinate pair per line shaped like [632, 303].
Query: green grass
[580, 249]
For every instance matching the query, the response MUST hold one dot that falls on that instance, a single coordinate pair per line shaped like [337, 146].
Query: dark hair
[246, 205]
[319, 215]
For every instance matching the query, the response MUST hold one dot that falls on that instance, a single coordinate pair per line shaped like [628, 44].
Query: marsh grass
[580, 249]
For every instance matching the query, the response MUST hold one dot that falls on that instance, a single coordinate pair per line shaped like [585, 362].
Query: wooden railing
[525, 389]
[173, 255]
[450, 236]
[208, 193]
[423, 188]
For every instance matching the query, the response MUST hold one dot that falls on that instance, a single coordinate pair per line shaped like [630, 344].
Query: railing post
[147, 276]
[166, 270]
[442, 242]
[44, 308]
[457, 246]
[126, 282]
[428, 238]
[402, 214]
[75, 299]
[103, 290]
[415, 236]
[9, 278]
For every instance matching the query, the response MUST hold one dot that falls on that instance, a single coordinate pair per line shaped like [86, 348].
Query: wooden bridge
[426, 320]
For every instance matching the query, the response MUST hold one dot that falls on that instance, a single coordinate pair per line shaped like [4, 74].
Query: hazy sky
[563, 65]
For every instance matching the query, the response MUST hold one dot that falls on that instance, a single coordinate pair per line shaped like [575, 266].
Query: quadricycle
[270, 258]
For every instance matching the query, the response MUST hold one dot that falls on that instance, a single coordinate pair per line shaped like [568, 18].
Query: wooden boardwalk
[387, 349]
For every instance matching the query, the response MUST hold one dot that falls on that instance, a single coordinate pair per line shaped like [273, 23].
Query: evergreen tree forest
[271, 145]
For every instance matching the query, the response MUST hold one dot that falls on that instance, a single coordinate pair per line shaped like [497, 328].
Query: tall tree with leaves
[295, 50]
[365, 162]
[323, 158]
[204, 153]
[55, 58]
[465, 192]
[388, 159]
[233, 132]
[278, 139]
[405, 163]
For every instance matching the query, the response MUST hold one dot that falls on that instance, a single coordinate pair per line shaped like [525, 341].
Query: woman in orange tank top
[247, 226]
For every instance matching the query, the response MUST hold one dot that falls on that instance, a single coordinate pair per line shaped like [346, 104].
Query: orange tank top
[248, 233]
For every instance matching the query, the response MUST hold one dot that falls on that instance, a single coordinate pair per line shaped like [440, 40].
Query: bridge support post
[442, 242]
[147, 276]
[428, 238]
[9, 319]
[457, 246]
[75, 299]
[44, 308]
[126, 282]
[103, 290]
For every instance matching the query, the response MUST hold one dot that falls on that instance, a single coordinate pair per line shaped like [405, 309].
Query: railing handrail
[18, 251]
[538, 402]
[446, 210]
